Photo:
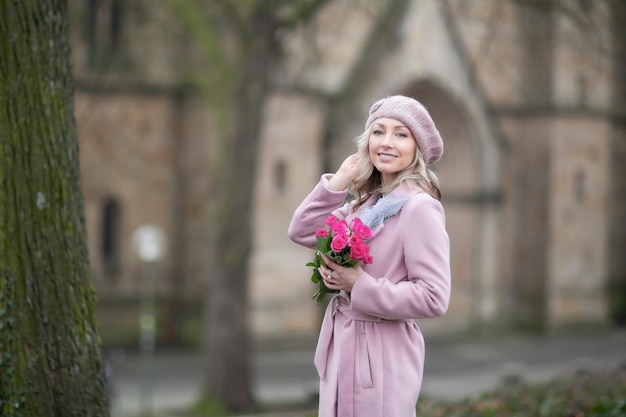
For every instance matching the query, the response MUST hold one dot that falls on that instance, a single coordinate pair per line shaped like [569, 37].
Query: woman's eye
[402, 134]
[378, 132]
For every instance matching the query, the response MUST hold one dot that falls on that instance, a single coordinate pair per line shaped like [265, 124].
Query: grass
[601, 394]
[583, 394]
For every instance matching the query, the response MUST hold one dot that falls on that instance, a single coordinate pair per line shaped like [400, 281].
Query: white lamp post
[149, 242]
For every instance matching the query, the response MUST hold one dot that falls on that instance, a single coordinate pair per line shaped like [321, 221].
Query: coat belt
[338, 303]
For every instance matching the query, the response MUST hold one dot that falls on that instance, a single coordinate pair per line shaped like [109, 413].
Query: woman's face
[391, 147]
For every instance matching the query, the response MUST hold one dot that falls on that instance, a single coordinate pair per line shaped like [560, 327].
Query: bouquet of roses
[344, 245]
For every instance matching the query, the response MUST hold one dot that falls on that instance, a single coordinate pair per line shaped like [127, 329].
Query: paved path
[454, 369]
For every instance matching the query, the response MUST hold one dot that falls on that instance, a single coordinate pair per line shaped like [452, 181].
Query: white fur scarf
[384, 209]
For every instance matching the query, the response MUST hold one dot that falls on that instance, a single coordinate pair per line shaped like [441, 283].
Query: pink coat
[370, 353]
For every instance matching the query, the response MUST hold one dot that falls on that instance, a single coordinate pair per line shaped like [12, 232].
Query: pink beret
[414, 116]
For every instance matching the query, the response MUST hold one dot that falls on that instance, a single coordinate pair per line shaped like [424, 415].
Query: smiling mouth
[386, 156]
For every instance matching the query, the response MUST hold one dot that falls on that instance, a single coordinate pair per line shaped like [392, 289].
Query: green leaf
[318, 296]
[322, 244]
[335, 257]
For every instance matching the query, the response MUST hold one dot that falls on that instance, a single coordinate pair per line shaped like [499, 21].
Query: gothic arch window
[110, 251]
[104, 23]
[280, 176]
[116, 24]
[91, 31]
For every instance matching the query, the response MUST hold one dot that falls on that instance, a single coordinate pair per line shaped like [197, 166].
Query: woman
[370, 353]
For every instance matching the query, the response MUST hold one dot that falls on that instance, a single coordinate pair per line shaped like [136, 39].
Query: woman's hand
[345, 174]
[337, 277]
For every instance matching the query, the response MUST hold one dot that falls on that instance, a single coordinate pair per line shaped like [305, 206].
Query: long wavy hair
[369, 180]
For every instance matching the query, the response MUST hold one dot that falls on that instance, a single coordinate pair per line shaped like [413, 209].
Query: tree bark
[50, 362]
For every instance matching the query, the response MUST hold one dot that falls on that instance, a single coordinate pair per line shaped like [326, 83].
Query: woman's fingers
[337, 277]
[332, 265]
[325, 272]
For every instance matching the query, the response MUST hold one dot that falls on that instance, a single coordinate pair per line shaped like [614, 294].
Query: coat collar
[401, 191]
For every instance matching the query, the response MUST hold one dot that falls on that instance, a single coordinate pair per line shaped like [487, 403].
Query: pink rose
[361, 230]
[356, 223]
[355, 240]
[330, 221]
[339, 243]
[358, 252]
[321, 233]
[366, 233]
[340, 227]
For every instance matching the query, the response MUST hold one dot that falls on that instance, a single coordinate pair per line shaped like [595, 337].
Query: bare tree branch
[238, 16]
[301, 11]
[204, 33]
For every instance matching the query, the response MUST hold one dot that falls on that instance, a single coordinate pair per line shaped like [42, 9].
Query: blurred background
[529, 97]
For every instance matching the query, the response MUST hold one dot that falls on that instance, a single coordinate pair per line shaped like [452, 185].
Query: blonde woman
[370, 352]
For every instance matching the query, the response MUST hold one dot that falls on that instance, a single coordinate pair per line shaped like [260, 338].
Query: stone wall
[525, 177]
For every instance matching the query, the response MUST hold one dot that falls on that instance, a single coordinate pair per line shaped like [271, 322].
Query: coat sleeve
[425, 292]
[314, 209]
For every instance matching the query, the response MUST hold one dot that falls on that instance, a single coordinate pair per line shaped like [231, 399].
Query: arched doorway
[459, 174]
[110, 245]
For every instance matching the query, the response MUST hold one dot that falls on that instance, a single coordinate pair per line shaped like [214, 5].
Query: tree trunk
[241, 43]
[233, 180]
[50, 363]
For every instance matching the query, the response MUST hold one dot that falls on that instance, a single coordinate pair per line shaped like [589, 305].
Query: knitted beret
[414, 116]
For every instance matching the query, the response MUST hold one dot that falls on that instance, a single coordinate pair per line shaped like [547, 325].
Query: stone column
[529, 156]
[617, 169]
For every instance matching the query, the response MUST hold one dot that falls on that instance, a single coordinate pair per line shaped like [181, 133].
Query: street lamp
[150, 242]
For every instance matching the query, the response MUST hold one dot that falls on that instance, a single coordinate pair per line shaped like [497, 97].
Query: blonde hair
[368, 180]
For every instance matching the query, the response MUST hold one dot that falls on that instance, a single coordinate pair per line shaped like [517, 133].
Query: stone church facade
[523, 99]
